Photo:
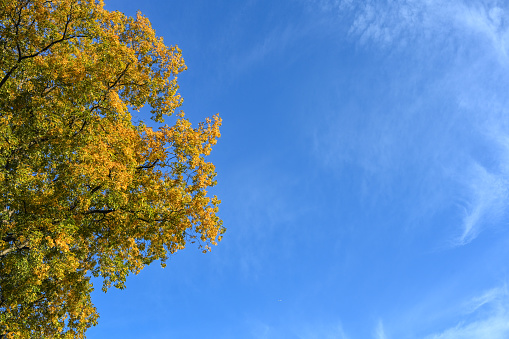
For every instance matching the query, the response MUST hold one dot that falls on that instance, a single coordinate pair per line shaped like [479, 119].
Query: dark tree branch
[95, 189]
[119, 77]
[99, 211]
[14, 248]
[148, 165]
[44, 49]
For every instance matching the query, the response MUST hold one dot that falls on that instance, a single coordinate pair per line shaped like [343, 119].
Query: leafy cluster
[84, 190]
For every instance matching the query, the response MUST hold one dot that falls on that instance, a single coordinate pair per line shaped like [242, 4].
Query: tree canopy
[86, 191]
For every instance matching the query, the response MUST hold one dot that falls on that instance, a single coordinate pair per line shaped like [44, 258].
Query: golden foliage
[85, 191]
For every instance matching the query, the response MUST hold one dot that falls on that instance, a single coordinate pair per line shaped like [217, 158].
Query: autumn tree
[85, 191]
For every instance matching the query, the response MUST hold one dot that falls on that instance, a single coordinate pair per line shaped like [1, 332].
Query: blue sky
[363, 170]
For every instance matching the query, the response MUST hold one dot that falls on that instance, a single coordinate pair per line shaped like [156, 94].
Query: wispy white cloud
[486, 202]
[495, 327]
[465, 45]
[496, 296]
[489, 20]
[380, 331]
[485, 174]
[485, 316]
[396, 23]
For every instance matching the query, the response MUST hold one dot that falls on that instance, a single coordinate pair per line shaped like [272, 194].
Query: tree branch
[147, 166]
[15, 248]
[99, 211]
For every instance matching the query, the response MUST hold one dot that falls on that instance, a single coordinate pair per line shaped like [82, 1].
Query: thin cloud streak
[488, 194]
[493, 296]
[488, 314]
[380, 332]
[487, 181]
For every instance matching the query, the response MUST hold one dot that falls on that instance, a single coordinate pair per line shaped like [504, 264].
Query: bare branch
[148, 166]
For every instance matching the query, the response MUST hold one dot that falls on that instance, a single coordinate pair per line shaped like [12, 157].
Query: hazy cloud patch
[486, 316]
[466, 46]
